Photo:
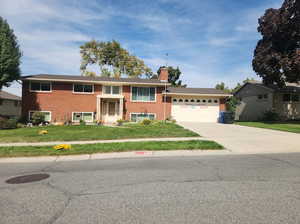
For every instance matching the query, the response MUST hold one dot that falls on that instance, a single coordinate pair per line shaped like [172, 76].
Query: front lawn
[16, 151]
[292, 126]
[87, 132]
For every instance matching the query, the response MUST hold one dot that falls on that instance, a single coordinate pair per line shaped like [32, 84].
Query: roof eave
[199, 94]
[96, 82]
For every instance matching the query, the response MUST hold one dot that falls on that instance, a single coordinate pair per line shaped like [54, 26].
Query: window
[181, 100]
[286, 97]
[1, 101]
[146, 94]
[265, 96]
[137, 117]
[85, 116]
[193, 101]
[209, 101]
[260, 97]
[83, 88]
[295, 98]
[198, 101]
[40, 86]
[16, 103]
[186, 100]
[204, 101]
[174, 100]
[47, 115]
[115, 90]
[216, 101]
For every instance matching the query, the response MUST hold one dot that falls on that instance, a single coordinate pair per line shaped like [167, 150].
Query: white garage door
[195, 110]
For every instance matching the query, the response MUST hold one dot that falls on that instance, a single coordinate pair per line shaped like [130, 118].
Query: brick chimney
[164, 74]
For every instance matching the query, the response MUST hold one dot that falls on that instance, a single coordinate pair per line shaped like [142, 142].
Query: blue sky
[210, 41]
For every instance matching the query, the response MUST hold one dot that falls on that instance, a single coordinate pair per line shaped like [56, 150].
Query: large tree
[112, 59]
[221, 86]
[9, 55]
[174, 76]
[277, 55]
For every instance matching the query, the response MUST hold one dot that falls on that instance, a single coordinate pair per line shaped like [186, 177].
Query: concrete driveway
[248, 140]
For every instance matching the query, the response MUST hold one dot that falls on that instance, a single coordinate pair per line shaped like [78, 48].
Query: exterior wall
[250, 107]
[222, 105]
[61, 101]
[286, 110]
[11, 108]
[161, 109]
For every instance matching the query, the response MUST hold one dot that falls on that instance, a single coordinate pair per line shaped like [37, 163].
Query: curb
[99, 141]
[116, 155]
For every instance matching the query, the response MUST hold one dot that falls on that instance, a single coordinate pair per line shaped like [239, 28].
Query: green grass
[81, 133]
[15, 151]
[292, 126]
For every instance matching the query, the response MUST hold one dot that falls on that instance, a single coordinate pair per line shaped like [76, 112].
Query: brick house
[74, 98]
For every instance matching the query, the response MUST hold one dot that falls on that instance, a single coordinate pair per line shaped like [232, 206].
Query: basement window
[84, 116]
[137, 117]
[46, 113]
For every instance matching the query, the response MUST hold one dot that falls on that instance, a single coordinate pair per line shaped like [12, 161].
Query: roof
[9, 96]
[77, 78]
[196, 91]
[288, 88]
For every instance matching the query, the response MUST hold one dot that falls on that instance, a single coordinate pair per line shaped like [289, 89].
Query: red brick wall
[222, 104]
[62, 102]
[157, 107]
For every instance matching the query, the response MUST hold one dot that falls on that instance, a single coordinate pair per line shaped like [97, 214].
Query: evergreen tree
[10, 55]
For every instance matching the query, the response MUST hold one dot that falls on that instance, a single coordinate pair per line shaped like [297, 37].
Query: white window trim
[148, 101]
[143, 113]
[40, 91]
[83, 92]
[81, 116]
[43, 111]
[111, 94]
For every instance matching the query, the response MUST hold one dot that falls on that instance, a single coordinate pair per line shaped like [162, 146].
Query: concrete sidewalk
[101, 141]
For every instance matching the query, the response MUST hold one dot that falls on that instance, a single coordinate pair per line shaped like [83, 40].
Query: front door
[110, 111]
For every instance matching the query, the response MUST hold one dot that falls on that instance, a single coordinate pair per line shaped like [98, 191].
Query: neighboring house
[74, 98]
[10, 105]
[257, 98]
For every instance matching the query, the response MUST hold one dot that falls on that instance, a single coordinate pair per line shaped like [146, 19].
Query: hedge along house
[256, 99]
[73, 98]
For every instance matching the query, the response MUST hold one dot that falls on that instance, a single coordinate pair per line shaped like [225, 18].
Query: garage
[198, 110]
[196, 104]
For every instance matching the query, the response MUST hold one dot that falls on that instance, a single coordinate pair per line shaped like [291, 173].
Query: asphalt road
[207, 189]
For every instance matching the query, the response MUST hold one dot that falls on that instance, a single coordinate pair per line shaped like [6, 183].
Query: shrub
[120, 122]
[146, 122]
[38, 118]
[8, 123]
[270, 115]
[20, 125]
[82, 122]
